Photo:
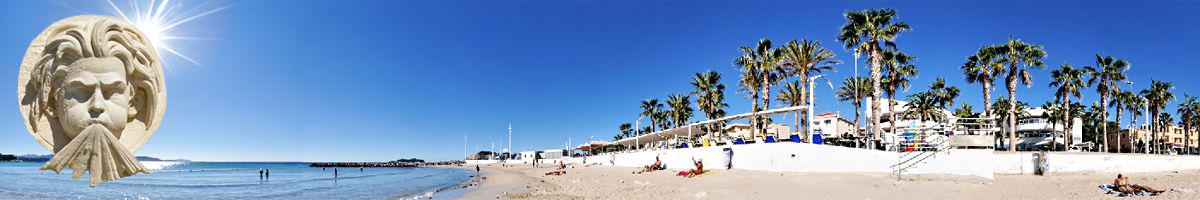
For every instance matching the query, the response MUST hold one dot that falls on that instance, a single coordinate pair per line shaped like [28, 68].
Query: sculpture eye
[77, 92]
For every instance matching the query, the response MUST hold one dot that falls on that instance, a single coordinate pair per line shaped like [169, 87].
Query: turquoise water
[216, 180]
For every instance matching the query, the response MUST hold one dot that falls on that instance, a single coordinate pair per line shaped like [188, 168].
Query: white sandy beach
[604, 182]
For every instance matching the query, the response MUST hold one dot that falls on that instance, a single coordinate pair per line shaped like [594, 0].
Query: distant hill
[44, 158]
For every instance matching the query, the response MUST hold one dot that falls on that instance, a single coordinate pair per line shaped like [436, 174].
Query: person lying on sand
[656, 166]
[693, 172]
[562, 169]
[1121, 184]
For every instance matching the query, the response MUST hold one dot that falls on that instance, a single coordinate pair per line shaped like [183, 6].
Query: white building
[1035, 130]
[833, 126]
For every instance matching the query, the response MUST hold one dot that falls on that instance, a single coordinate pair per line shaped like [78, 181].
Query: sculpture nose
[96, 104]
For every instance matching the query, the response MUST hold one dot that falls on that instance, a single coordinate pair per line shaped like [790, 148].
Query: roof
[691, 128]
[591, 145]
[661, 135]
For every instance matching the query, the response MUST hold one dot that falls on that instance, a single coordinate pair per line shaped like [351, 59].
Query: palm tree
[1090, 117]
[1068, 81]
[1163, 125]
[854, 89]
[944, 95]
[1134, 104]
[710, 98]
[896, 77]
[626, 130]
[869, 31]
[1054, 114]
[663, 117]
[923, 106]
[763, 61]
[964, 111]
[1019, 57]
[748, 84]
[1107, 73]
[1157, 97]
[650, 108]
[1186, 111]
[792, 95]
[983, 68]
[681, 109]
[1118, 101]
[803, 59]
[1074, 109]
[930, 104]
[1193, 121]
[1001, 108]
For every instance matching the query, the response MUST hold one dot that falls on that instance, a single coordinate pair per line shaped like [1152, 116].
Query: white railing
[915, 145]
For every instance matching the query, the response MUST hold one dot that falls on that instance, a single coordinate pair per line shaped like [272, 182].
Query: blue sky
[356, 81]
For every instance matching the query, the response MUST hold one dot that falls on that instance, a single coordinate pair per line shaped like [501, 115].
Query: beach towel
[1111, 189]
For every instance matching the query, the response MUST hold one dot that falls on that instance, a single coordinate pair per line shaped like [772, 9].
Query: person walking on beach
[476, 169]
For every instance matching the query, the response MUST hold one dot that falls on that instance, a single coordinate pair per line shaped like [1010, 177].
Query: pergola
[692, 130]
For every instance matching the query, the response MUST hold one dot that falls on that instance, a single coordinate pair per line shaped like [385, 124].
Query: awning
[684, 130]
[592, 145]
[661, 136]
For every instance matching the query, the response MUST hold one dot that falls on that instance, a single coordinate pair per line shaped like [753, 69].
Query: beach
[607, 182]
[238, 180]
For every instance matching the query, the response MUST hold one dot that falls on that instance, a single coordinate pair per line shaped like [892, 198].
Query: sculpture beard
[98, 152]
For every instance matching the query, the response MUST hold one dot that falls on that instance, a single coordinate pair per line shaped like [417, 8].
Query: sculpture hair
[104, 38]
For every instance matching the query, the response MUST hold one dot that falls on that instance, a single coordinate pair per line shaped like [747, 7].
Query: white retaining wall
[962, 162]
[780, 157]
[1060, 162]
[798, 157]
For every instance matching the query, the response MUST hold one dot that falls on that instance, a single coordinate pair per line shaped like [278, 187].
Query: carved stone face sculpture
[93, 93]
[91, 90]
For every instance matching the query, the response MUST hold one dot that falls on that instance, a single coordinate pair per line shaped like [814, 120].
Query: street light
[811, 112]
[638, 130]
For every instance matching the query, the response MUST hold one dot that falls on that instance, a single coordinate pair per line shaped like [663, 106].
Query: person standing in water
[260, 174]
[335, 173]
[268, 174]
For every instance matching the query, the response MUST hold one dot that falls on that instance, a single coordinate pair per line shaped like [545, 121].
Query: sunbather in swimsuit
[693, 172]
[656, 166]
[1121, 184]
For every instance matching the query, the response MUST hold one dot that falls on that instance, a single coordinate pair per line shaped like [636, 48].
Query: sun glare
[157, 20]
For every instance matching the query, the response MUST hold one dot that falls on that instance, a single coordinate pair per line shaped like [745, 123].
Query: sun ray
[157, 18]
[172, 25]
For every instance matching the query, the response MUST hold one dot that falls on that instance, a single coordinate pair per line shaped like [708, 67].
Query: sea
[239, 180]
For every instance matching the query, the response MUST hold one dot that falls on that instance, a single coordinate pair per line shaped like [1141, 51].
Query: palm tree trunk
[797, 125]
[1153, 132]
[892, 109]
[1133, 129]
[754, 110]
[857, 112]
[766, 91]
[1053, 137]
[876, 77]
[1119, 128]
[1012, 111]
[803, 101]
[1067, 122]
[1104, 121]
[987, 98]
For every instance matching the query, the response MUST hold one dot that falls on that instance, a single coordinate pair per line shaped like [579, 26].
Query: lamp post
[637, 137]
[811, 96]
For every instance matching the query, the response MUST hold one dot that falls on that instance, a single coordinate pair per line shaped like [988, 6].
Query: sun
[157, 20]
